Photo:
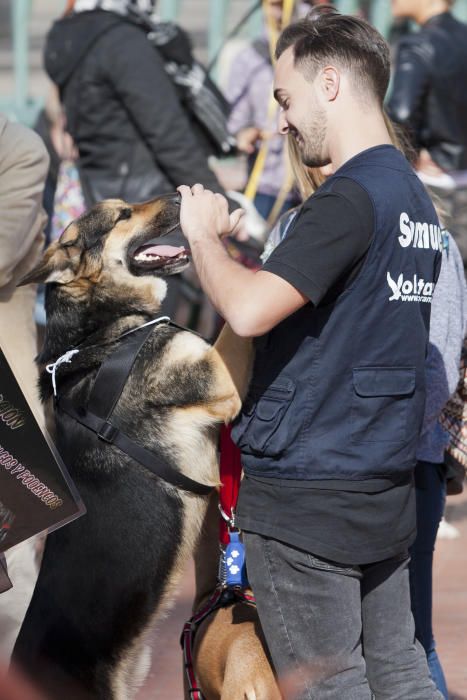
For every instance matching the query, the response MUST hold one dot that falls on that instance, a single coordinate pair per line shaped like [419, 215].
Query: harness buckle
[107, 432]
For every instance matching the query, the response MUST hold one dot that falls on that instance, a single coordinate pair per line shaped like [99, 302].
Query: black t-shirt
[346, 522]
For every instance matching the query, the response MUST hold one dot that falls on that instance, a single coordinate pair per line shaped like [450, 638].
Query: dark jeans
[337, 632]
[431, 495]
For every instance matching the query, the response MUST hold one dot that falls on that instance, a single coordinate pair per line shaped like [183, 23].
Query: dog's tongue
[165, 251]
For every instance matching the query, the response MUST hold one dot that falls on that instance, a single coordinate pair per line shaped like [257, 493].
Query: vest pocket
[380, 403]
[263, 425]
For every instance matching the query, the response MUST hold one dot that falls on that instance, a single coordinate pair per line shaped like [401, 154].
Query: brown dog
[108, 575]
[230, 657]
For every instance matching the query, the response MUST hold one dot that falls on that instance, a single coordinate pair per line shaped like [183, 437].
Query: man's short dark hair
[326, 35]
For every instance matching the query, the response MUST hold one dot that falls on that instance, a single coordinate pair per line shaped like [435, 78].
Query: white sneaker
[447, 531]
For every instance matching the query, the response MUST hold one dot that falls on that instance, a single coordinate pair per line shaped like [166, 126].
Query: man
[23, 169]
[429, 99]
[328, 431]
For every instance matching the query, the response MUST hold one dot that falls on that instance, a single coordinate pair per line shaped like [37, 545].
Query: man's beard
[310, 142]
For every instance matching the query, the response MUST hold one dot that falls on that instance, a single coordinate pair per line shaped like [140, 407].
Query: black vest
[338, 390]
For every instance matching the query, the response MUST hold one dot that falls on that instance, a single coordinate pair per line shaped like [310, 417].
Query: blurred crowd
[136, 123]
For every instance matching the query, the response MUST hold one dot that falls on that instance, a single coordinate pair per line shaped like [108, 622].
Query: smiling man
[329, 428]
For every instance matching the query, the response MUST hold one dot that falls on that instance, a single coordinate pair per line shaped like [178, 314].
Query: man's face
[301, 113]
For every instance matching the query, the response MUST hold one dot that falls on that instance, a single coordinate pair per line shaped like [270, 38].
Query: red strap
[230, 475]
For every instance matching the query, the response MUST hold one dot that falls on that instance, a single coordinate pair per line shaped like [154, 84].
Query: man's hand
[205, 215]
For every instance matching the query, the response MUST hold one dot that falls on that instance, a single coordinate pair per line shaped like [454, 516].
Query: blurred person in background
[249, 91]
[429, 99]
[447, 330]
[122, 111]
[134, 137]
[23, 169]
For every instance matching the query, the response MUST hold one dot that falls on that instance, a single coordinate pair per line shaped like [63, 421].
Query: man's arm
[319, 256]
[252, 303]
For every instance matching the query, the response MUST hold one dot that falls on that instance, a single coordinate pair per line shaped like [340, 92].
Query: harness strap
[220, 599]
[105, 393]
[114, 372]
[111, 434]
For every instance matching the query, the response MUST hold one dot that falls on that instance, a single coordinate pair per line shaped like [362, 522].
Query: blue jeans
[431, 495]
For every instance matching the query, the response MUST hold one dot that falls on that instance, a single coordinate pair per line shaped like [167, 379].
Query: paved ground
[450, 619]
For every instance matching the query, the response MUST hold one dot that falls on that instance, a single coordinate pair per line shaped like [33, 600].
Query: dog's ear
[55, 266]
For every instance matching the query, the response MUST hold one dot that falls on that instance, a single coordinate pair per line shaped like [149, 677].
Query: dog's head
[117, 249]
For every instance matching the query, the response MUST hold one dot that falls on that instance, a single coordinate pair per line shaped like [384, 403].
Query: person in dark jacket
[134, 139]
[429, 99]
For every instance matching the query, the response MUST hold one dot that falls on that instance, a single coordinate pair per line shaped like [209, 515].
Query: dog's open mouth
[165, 258]
[154, 256]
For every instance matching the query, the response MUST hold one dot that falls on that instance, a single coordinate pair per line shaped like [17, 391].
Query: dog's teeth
[143, 256]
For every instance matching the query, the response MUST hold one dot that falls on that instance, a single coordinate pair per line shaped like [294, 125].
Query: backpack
[204, 103]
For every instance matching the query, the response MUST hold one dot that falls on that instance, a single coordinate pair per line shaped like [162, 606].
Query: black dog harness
[105, 394]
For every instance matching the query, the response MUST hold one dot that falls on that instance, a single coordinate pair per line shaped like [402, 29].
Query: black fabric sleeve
[327, 242]
[411, 76]
[136, 70]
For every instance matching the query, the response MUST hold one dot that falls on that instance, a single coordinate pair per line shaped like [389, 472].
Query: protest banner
[36, 492]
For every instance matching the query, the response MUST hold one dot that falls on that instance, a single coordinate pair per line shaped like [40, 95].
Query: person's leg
[310, 612]
[431, 496]
[395, 661]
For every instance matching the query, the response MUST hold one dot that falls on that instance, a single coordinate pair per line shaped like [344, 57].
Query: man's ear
[55, 266]
[330, 82]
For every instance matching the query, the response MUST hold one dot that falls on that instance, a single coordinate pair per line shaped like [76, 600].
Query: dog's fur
[230, 657]
[106, 576]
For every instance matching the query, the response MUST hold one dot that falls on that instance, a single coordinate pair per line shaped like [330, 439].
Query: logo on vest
[410, 289]
[418, 234]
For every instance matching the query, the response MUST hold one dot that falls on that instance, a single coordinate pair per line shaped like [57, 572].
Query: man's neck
[359, 132]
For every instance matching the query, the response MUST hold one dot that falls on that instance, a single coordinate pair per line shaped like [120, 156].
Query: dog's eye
[70, 244]
[124, 214]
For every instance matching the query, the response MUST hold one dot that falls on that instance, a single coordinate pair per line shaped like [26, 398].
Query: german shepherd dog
[107, 576]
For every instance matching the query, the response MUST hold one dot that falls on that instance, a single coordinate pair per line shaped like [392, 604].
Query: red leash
[230, 476]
